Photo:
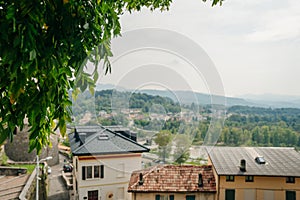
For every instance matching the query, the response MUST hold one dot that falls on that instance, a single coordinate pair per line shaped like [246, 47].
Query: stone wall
[12, 171]
[29, 190]
[18, 149]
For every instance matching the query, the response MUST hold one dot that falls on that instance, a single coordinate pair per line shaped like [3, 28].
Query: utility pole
[37, 173]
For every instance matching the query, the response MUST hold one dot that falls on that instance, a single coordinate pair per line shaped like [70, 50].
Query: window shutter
[102, 171]
[171, 197]
[83, 173]
[157, 197]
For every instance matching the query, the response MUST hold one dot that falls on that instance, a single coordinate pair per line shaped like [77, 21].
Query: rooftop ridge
[113, 143]
[86, 142]
[124, 137]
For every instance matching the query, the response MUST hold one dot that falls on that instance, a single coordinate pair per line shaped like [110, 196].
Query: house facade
[171, 182]
[103, 161]
[256, 173]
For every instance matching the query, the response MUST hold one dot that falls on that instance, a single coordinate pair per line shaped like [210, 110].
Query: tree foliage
[181, 152]
[43, 45]
[163, 140]
[142, 101]
[251, 126]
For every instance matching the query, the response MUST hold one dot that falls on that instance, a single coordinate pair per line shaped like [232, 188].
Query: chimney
[76, 135]
[200, 180]
[243, 165]
[82, 137]
[260, 160]
[141, 181]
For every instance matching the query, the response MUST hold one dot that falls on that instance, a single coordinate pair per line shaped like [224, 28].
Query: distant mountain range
[189, 97]
[273, 100]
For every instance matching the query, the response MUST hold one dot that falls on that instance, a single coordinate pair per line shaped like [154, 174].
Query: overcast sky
[254, 44]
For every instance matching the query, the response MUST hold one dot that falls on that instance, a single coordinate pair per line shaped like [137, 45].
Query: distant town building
[171, 182]
[103, 162]
[254, 173]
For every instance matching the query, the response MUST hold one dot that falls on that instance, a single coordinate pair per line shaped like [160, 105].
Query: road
[57, 188]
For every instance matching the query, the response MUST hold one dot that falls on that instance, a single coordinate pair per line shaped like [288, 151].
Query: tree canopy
[43, 45]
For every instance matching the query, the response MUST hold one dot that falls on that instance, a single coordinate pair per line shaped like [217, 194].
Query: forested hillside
[243, 125]
[136, 101]
[254, 126]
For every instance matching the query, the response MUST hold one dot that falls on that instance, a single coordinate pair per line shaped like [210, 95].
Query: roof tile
[280, 161]
[113, 142]
[172, 178]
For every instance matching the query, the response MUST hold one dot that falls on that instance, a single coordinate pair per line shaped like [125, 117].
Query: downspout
[218, 187]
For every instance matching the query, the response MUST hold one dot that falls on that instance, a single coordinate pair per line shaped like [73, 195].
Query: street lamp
[37, 173]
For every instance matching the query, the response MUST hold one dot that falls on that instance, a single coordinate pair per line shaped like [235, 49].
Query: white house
[103, 162]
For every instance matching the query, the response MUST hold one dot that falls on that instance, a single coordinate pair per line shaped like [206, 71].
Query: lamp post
[37, 173]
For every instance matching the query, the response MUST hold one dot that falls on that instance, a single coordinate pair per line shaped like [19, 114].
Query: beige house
[256, 173]
[103, 162]
[171, 182]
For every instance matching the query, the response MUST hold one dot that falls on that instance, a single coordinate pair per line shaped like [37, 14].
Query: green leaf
[92, 90]
[3, 136]
[62, 127]
[45, 47]
[10, 12]
[96, 76]
[32, 54]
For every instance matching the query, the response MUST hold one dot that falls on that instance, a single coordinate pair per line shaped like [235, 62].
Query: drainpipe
[218, 187]
[37, 178]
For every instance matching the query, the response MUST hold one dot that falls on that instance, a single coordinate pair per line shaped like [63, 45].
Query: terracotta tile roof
[172, 178]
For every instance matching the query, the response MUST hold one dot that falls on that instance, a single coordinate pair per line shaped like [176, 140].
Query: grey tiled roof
[279, 161]
[115, 142]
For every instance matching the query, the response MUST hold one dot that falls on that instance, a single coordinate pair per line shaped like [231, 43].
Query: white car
[49, 170]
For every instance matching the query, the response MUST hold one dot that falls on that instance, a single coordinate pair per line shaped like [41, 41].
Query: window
[290, 179]
[97, 171]
[76, 185]
[101, 171]
[260, 160]
[93, 195]
[229, 178]
[290, 195]
[89, 172]
[83, 173]
[190, 197]
[164, 197]
[76, 163]
[230, 194]
[249, 178]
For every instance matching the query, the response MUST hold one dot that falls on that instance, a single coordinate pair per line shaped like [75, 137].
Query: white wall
[181, 196]
[117, 172]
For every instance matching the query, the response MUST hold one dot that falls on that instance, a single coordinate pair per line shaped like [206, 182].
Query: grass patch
[30, 167]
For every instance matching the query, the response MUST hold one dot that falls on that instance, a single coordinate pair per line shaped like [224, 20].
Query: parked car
[49, 170]
[67, 168]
